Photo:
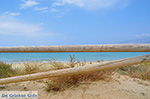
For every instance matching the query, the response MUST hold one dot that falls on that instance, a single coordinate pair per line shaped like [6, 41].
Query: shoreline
[48, 61]
[65, 57]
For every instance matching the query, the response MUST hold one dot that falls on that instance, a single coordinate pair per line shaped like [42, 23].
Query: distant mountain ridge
[145, 40]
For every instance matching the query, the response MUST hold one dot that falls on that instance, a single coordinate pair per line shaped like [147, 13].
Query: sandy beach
[118, 87]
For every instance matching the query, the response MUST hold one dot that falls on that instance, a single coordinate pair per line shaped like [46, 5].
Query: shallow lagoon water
[84, 56]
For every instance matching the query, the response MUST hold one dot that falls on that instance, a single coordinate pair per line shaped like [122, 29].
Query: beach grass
[62, 83]
[6, 70]
[141, 71]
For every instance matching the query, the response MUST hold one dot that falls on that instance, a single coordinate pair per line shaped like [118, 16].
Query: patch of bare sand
[121, 87]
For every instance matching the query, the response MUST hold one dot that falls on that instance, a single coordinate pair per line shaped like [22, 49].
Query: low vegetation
[73, 61]
[57, 65]
[141, 71]
[6, 70]
[62, 83]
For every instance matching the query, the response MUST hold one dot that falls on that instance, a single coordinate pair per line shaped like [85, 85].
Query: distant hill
[145, 40]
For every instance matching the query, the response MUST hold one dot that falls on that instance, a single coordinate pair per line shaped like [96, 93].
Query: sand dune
[120, 87]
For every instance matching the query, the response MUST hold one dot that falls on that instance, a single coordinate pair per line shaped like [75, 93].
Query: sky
[72, 22]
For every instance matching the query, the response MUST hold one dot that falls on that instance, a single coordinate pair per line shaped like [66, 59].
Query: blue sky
[72, 22]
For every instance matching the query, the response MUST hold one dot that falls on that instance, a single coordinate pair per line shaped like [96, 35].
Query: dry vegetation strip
[78, 70]
[81, 48]
[6, 70]
[141, 71]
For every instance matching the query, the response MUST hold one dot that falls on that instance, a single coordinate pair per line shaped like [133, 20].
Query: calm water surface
[86, 56]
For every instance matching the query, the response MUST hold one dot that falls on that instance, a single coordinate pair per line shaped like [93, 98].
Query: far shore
[48, 61]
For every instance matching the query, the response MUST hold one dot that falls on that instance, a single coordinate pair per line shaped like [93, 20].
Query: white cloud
[29, 3]
[10, 26]
[11, 14]
[54, 10]
[90, 4]
[41, 9]
[142, 35]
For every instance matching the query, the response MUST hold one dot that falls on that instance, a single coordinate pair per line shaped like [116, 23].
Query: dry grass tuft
[32, 68]
[57, 65]
[6, 70]
[73, 61]
[62, 83]
[141, 71]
